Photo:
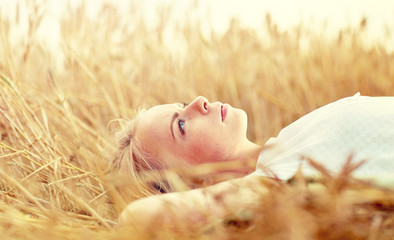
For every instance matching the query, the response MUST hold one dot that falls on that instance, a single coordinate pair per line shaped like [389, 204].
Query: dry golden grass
[335, 208]
[55, 110]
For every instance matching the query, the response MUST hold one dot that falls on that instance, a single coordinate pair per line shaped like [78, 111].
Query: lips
[224, 112]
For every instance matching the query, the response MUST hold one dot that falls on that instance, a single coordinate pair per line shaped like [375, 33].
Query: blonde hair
[132, 161]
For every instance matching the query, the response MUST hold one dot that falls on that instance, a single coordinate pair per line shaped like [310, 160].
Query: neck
[248, 153]
[250, 150]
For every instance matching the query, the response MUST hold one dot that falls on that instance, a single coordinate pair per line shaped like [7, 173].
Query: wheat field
[60, 110]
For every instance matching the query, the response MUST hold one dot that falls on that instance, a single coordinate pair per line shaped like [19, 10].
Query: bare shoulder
[196, 206]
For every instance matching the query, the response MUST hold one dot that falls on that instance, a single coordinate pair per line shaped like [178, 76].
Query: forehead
[153, 127]
[158, 112]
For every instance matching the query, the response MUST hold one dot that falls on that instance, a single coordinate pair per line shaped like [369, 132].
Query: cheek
[206, 151]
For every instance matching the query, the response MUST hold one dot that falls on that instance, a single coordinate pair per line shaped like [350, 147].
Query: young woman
[179, 135]
[358, 127]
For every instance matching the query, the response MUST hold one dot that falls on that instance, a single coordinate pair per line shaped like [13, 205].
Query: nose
[199, 104]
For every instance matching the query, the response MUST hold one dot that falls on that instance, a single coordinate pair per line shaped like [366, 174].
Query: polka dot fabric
[360, 126]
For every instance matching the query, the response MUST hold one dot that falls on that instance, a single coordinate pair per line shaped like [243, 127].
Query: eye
[181, 125]
[185, 105]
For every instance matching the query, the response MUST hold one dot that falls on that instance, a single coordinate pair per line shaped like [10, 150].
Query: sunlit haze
[327, 17]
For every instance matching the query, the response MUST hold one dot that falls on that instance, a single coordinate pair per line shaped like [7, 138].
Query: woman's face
[199, 132]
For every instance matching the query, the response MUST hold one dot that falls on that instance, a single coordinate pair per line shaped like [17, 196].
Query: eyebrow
[172, 124]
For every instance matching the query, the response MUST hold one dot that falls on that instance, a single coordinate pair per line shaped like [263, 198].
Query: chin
[240, 112]
[242, 121]
[243, 117]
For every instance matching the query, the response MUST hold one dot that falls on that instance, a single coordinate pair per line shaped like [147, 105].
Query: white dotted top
[359, 125]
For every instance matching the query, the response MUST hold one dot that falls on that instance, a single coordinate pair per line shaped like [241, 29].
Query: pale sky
[286, 13]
